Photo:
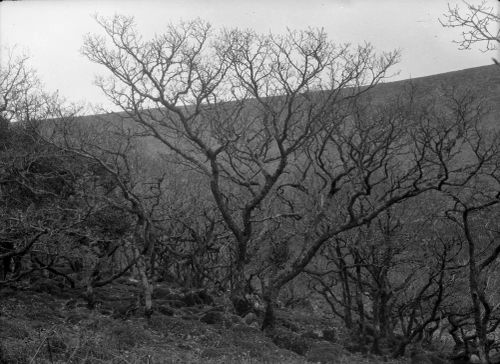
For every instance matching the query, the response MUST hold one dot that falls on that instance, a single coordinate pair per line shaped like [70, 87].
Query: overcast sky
[51, 32]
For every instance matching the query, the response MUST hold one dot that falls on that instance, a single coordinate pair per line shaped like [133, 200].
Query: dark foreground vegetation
[257, 199]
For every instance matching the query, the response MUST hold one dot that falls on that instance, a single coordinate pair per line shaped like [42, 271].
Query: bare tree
[133, 188]
[18, 83]
[235, 106]
[483, 249]
[479, 24]
[357, 169]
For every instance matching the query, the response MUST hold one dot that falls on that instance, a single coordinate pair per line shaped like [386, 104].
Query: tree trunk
[146, 285]
[346, 291]
[359, 297]
[270, 293]
[474, 291]
[240, 302]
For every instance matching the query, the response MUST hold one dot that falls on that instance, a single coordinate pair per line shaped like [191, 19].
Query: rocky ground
[47, 324]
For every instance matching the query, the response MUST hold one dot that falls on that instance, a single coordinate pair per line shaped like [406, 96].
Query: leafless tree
[133, 188]
[479, 24]
[18, 82]
[235, 106]
[481, 238]
[357, 169]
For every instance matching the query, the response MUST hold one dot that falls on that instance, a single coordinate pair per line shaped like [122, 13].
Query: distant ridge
[480, 70]
[483, 79]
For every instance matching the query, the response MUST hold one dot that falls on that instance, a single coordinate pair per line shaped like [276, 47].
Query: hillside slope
[483, 81]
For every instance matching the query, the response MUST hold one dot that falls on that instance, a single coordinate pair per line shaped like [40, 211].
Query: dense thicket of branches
[244, 163]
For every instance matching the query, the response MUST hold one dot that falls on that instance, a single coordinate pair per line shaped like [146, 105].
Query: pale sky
[52, 32]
